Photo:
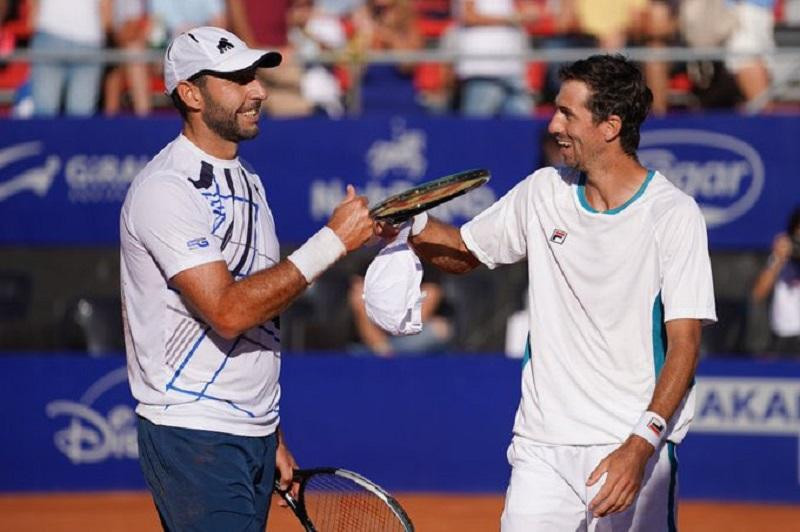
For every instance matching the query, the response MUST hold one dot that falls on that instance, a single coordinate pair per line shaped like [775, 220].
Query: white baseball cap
[392, 294]
[210, 49]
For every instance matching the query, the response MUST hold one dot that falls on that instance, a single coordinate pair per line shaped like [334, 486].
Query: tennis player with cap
[619, 285]
[202, 287]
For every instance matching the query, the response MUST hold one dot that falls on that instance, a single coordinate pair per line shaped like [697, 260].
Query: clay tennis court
[134, 512]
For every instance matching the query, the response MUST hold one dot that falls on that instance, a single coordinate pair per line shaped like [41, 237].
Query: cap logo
[224, 45]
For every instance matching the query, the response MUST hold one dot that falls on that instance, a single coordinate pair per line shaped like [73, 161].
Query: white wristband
[320, 251]
[652, 428]
[418, 224]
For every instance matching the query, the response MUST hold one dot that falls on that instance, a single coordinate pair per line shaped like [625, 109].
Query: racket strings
[337, 504]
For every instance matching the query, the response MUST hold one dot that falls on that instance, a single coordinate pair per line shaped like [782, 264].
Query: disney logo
[90, 436]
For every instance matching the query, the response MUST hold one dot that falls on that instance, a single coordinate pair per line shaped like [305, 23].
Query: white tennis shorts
[548, 492]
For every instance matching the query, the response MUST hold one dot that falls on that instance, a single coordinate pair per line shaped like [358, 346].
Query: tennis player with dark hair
[620, 283]
[202, 287]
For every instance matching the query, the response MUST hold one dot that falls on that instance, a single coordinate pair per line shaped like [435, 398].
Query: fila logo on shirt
[558, 236]
[656, 426]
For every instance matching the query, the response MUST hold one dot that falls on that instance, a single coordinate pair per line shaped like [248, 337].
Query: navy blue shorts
[207, 481]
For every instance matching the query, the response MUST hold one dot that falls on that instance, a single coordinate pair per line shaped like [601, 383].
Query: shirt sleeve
[173, 224]
[498, 235]
[687, 287]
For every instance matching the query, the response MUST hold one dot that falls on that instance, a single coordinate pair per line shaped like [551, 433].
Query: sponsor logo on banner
[724, 174]
[101, 178]
[27, 167]
[37, 179]
[748, 406]
[98, 426]
[404, 152]
[394, 165]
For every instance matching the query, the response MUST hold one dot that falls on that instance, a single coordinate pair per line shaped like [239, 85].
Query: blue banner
[416, 424]
[63, 181]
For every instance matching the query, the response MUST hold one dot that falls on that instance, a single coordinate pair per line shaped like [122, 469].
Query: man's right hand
[351, 221]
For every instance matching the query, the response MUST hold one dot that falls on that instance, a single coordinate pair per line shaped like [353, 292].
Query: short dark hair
[198, 79]
[617, 88]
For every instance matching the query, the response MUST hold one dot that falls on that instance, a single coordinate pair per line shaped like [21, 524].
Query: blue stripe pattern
[206, 396]
[219, 369]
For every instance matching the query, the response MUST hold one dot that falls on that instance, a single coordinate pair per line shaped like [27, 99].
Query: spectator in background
[74, 26]
[130, 29]
[659, 28]
[387, 25]
[259, 23]
[169, 18]
[781, 279]
[610, 22]
[312, 30]
[492, 86]
[754, 36]
[614, 24]
[437, 329]
[340, 8]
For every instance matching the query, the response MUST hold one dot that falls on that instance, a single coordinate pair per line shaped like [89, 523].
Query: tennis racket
[400, 207]
[334, 500]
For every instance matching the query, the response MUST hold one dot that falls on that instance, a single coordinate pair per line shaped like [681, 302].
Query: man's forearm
[231, 307]
[679, 367]
[441, 245]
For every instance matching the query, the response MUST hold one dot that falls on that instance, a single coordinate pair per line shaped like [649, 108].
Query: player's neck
[208, 141]
[610, 183]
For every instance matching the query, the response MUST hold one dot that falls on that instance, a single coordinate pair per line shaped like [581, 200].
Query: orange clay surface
[134, 512]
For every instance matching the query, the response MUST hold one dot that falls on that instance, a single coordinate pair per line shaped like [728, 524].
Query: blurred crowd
[491, 42]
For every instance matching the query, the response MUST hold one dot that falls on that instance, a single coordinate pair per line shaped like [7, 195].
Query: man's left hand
[285, 463]
[624, 470]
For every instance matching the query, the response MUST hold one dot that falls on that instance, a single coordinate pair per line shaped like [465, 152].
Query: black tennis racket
[400, 207]
[337, 500]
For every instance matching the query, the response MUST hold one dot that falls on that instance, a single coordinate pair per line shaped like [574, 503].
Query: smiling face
[580, 139]
[232, 104]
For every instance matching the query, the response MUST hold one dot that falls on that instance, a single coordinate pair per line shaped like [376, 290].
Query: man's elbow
[227, 325]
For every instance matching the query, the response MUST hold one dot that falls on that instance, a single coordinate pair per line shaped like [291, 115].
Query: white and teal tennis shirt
[602, 286]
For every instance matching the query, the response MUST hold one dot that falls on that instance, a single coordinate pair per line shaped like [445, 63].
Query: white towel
[392, 294]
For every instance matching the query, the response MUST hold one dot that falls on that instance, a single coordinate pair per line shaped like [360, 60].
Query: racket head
[332, 499]
[401, 207]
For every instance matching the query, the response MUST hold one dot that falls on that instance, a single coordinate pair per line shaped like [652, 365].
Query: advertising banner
[416, 424]
[63, 181]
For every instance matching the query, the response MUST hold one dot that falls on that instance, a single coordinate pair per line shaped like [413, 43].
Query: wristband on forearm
[318, 253]
[652, 427]
[418, 223]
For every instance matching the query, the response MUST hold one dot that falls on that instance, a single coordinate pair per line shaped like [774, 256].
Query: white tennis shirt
[184, 209]
[601, 287]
